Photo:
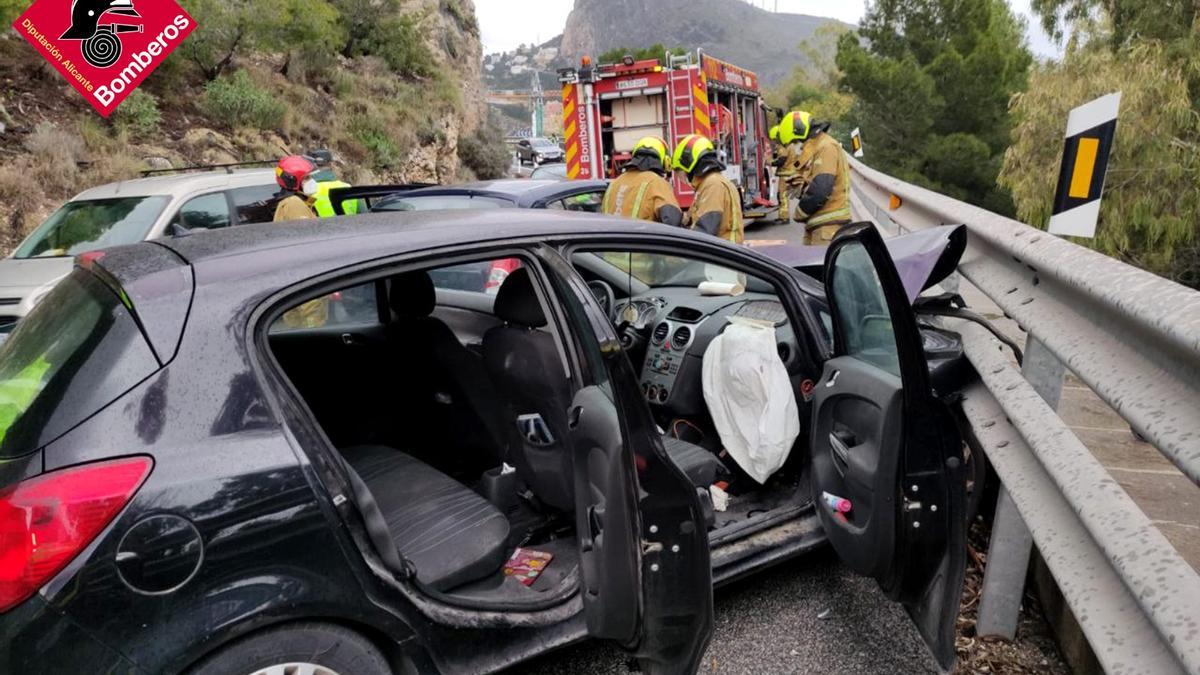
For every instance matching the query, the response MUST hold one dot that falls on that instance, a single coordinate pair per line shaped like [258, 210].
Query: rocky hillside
[404, 104]
[735, 31]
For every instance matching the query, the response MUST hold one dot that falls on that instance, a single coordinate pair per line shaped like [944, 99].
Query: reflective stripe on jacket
[638, 194]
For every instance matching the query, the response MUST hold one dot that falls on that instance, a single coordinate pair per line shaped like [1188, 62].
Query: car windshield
[658, 270]
[78, 350]
[91, 224]
[543, 143]
[442, 203]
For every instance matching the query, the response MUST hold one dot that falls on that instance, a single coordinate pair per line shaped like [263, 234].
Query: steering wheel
[605, 296]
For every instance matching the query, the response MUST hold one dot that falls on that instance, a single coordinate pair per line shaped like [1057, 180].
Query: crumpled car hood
[922, 258]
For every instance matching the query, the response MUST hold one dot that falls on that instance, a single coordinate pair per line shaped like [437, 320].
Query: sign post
[1090, 131]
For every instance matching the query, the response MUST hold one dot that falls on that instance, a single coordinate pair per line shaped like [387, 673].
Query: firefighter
[717, 208]
[785, 172]
[642, 191]
[822, 177]
[295, 174]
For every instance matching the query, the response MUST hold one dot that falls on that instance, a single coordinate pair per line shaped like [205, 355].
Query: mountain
[732, 30]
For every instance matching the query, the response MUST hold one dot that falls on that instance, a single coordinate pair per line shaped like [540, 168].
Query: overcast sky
[507, 24]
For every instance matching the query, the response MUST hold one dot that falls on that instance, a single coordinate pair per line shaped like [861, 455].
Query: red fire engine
[608, 107]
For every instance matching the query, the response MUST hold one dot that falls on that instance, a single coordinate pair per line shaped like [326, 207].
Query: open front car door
[886, 454]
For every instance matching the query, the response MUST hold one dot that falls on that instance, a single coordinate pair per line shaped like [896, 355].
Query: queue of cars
[189, 482]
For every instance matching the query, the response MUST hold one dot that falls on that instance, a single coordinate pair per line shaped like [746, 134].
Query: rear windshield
[441, 203]
[91, 224]
[77, 351]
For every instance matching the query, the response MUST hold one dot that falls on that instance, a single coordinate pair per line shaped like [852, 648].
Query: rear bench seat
[450, 534]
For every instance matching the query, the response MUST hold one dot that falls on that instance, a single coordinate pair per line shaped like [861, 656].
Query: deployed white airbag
[750, 398]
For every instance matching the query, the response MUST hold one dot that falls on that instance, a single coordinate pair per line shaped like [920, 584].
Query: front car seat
[526, 366]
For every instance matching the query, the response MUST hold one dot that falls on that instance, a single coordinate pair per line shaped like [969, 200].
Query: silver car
[124, 213]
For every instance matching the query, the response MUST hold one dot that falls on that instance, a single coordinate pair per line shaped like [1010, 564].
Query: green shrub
[138, 114]
[485, 154]
[397, 41]
[235, 101]
[372, 133]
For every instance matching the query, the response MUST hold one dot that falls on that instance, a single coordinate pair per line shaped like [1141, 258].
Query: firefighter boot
[821, 235]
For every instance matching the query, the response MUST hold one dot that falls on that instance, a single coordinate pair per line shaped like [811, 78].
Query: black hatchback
[285, 448]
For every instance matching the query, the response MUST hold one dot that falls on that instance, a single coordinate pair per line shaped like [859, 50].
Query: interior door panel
[886, 454]
[858, 417]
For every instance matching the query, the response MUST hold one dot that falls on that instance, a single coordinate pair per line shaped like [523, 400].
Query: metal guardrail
[1133, 338]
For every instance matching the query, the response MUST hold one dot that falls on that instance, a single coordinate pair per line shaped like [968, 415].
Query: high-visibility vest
[324, 207]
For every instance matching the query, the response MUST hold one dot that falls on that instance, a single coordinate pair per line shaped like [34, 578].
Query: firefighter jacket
[644, 195]
[293, 207]
[824, 176]
[717, 208]
[314, 313]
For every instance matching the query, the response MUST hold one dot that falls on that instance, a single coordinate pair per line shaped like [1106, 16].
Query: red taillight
[46, 521]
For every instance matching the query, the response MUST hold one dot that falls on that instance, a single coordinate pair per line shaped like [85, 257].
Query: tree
[1150, 210]
[813, 85]
[654, 51]
[931, 81]
[231, 27]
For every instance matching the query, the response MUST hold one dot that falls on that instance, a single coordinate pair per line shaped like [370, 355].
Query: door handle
[573, 416]
[833, 378]
[350, 340]
[841, 451]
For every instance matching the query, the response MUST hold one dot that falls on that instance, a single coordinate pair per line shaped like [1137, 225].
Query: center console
[669, 343]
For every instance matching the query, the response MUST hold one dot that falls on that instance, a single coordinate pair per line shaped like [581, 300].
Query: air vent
[660, 333]
[681, 338]
[10, 301]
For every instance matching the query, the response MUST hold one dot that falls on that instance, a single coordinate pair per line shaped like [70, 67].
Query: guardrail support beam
[1011, 543]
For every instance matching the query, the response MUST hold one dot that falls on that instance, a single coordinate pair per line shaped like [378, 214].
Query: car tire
[318, 648]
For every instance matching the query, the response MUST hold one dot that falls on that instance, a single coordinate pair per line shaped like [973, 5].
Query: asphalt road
[809, 615]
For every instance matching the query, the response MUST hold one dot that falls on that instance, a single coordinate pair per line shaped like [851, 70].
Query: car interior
[446, 392]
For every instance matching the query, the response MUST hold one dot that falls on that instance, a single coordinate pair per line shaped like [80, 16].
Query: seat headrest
[517, 302]
[412, 295]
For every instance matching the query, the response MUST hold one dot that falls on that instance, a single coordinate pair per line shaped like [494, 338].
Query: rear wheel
[298, 649]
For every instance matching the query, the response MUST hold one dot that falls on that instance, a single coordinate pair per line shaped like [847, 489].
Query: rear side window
[77, 351]
[206, 212]
[254, 204]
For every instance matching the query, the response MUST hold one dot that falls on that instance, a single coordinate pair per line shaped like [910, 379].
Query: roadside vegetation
[391, 86]
[948, 96]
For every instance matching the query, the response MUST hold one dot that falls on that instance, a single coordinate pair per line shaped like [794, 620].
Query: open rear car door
[886, 454]
[643, 542]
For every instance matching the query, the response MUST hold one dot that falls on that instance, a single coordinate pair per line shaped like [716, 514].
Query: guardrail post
[1011, 543]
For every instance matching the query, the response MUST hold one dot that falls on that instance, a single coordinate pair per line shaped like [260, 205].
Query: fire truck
[608, 107]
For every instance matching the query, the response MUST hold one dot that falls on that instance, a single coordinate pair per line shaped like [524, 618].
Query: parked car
[538, 150]
[444, 480]
[123, 213]
[583, 195]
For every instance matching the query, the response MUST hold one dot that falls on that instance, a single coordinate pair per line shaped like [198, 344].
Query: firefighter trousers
[821, 235]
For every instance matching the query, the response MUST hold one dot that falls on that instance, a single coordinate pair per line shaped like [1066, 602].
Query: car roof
[523, 192]
[177, 183]
[398, 232]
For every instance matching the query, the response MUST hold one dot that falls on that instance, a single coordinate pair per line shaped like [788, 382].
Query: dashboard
[679, 323]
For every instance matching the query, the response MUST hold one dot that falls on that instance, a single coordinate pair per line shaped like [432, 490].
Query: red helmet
[292, 171]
